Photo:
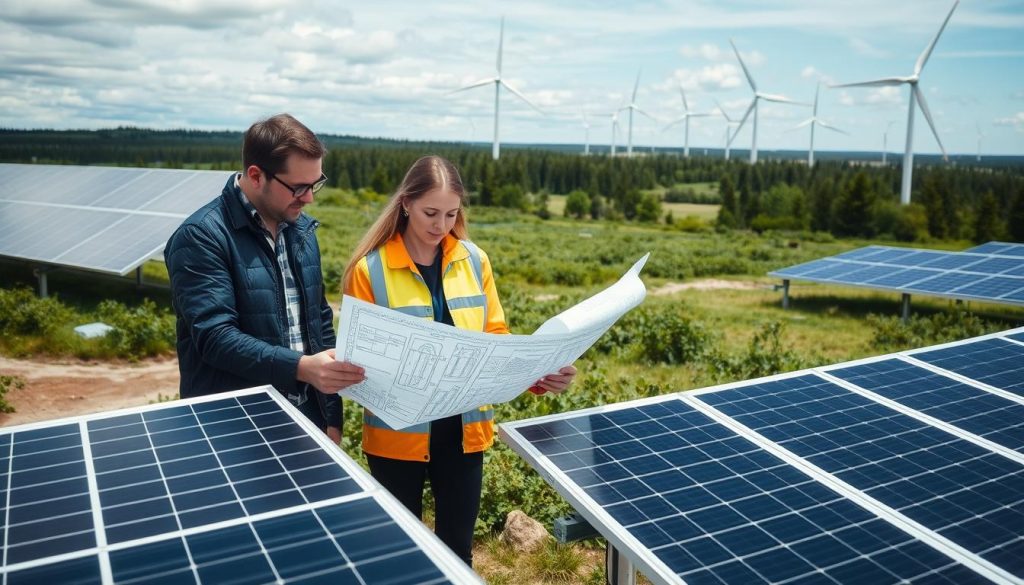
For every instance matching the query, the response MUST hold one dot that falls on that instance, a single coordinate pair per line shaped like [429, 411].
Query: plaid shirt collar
[253, 213]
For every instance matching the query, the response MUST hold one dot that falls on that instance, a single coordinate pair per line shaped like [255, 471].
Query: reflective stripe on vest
[412, 443]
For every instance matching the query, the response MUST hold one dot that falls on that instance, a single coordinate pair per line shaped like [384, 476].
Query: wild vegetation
[560, 227]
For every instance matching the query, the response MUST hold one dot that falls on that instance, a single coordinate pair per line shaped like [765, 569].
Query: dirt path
[705, 284]
[57, 388]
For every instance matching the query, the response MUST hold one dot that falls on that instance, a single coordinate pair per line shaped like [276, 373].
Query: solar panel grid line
[909, 358]
[1009, 337]
[181, 181]
[97, 512]
[925, 418]
[831, 566]
[643, 557]
[95, 208]
[125, 185]
[938, 542]
[431, 560]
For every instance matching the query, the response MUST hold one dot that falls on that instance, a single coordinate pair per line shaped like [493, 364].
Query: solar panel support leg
[138, 277]
[905, 308]
[618, 570]
[41, 275]
[785, 294]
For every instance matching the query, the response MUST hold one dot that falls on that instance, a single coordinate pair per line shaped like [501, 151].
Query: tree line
[844, 198]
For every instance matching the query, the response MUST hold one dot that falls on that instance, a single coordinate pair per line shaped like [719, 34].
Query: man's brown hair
[268, 143]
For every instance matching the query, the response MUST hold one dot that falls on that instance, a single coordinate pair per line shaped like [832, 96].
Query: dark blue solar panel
[989, 248]
[48, 506]
[976, 411]
[860, 253]
[992, 287]
[834, 271]
[80, 571]
[214, 461]
[715, 507]
[943, 283]
[1017, 336]
[903, 277]
[1018, 271]
[920, 257]
[960, 490]
[890, 256]
[866, 274]
[996, 265]
[806, 267]
[995, 362]
[953, 261]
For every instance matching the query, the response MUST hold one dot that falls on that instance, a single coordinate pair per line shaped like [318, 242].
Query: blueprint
[419, 370]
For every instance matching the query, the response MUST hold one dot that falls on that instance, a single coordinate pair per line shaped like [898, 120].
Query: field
[711, 316]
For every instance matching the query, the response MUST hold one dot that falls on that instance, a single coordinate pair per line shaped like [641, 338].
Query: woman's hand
[557, 382]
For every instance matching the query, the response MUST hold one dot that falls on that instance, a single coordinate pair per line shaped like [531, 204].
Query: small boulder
[522, 533]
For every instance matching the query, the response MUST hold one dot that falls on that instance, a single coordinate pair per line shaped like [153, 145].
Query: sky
[387, 69]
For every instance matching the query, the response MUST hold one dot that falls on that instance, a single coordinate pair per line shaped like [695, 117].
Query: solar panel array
[232, 488]
[907, 467]
[105, 219]
[991, 272]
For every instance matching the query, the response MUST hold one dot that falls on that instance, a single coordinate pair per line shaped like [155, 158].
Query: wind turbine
[729, 123]
[615, 128]
[687, 114]
[980, 136]
[586, 134]
[753, 104]
[498, 83]
[915, 95]
[885, 141]
[815, 120]
[632, 106]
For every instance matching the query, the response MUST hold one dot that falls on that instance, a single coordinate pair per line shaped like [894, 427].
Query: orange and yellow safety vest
[388, 277]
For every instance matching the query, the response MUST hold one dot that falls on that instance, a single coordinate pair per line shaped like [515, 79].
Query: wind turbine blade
[743, 121]
[472, 85]
[928, 50]
[722, 111]
[781, 99]
[501, 42]
[928, 116]
[817, 90]
[832, 128]
[673, 123]
[884, 82]
[636, 86]
[750, 79]
[645, 113]
[522, 97]
[699, 115]
[804, 123]
[682, 94]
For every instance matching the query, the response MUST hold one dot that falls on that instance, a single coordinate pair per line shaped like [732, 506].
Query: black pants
[455, 479]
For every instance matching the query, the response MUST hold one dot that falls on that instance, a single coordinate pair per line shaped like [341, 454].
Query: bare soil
[704, 284]
[57, 388]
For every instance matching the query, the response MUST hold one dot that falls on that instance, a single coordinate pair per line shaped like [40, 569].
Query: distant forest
[952, 201]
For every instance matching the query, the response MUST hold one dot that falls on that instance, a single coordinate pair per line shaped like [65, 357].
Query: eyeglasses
[299, 190]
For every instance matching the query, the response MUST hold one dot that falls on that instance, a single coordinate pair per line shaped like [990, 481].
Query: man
[246, 282]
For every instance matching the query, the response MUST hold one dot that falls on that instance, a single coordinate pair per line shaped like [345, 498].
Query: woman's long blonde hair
[425, 175]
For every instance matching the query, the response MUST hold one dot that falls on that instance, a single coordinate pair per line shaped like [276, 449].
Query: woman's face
[432, 216]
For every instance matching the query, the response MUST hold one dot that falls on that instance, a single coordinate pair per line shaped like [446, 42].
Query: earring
[405, 212]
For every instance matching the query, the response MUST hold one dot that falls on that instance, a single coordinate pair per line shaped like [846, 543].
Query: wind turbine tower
[687, 114]
[916, 97]
[498, 83]
[729, 123]
[753, 104]
[632, 106]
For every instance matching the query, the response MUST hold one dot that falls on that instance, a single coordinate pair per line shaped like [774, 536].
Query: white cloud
[810, 72]
[1015, 121]
[862, 47]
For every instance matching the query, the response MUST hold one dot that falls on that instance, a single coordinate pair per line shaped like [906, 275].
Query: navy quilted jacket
[228, 295]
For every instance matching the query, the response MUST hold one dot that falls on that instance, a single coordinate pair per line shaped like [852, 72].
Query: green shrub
[668, 337]
[8, 383]
[765, 355]
[892, 334]
[23, 313]
[140, 331]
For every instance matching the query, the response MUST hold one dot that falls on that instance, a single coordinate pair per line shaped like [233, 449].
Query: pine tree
[986, 222]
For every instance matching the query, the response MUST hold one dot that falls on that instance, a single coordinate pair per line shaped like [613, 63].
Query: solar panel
[105, 219]
[236, 487]
[975, 274]
[999, 249]
[885, 470]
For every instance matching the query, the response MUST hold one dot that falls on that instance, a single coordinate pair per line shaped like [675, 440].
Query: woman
[416, 258]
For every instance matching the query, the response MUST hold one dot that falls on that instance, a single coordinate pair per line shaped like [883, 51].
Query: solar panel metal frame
[105, 203]
[655, 569]
[439, 554]
[909, 288]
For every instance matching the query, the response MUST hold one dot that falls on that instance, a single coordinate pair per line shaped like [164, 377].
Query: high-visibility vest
[388, 277]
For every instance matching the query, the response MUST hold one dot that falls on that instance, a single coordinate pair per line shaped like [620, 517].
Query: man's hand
[557, 382]
[334, 433]
[327, 374]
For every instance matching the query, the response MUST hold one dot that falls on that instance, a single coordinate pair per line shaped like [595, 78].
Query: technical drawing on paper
[418, 370]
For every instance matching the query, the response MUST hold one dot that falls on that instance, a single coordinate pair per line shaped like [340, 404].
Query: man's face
[276, 201]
